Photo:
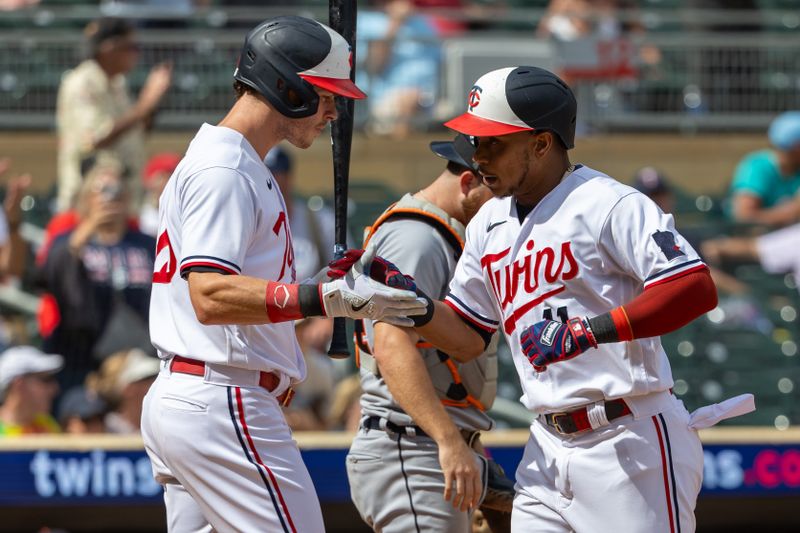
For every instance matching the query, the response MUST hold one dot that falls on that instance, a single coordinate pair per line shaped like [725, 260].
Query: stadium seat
[368, 199]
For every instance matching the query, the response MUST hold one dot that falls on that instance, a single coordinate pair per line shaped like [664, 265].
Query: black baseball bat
[342, 19]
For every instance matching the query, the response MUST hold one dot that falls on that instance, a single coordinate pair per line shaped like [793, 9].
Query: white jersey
[590, 245]
[221, 210]
[777, 251]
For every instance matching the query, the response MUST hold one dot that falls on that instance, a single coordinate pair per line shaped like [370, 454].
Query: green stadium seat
[368, 200]
[765, 415]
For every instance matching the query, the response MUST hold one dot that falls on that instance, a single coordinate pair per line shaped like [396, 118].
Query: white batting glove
[356, 296]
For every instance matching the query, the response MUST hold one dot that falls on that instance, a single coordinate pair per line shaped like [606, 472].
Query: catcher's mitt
[499, 489]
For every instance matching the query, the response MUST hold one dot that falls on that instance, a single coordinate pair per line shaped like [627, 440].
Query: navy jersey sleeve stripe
[466, 308]
[200, 258]
[670, 269]
[199, 266]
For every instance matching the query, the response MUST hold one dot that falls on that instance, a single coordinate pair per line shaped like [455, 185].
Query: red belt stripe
[267, 380]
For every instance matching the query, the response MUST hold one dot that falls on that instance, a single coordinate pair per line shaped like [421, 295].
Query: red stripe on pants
[666, 478]
[258, 458]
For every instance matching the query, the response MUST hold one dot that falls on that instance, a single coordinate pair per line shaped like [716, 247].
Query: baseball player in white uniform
[224, 296]
[567, 260]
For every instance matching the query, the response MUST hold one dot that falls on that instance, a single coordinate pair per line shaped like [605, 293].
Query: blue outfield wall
[60, 473]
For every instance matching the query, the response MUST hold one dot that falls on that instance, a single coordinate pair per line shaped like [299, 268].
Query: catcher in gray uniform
[416, 463]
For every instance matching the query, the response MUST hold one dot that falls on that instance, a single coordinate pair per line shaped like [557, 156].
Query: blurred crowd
[89, 363]
[402, 57]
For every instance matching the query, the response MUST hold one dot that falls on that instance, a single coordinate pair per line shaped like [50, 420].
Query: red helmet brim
[341, 87]
[471, 124]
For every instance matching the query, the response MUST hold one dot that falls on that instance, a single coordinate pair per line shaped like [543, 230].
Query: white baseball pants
[636, 475]
[226, 459]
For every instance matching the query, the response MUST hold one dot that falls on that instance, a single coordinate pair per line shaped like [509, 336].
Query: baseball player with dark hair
[568, 261]
[225, 297]
[416, 462]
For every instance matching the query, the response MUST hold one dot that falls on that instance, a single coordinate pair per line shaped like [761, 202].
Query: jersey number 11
[561, 312]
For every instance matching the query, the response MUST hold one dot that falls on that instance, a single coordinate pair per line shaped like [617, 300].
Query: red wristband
[281, 302]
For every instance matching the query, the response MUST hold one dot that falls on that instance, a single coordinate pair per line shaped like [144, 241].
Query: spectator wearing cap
[766, 184]
[95, 111]
[156, 174]
[27, 390]
[82, 411]
[137, 373]
[654, 185]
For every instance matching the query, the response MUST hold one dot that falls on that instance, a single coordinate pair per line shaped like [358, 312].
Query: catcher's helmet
[283, 57]
[513, 99]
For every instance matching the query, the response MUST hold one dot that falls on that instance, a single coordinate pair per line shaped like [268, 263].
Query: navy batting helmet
[513, 99]
[283, 58]
[459, 151]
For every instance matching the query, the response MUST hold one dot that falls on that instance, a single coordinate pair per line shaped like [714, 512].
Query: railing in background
[704, 77]
[702, 81]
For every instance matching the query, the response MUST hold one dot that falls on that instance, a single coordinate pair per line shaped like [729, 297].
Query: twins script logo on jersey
[539, 268]
[474, 97]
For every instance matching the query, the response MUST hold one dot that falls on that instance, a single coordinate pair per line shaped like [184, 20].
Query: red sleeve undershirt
[666, 307]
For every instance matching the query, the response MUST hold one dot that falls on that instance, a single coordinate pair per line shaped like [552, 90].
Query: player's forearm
[219, 299]
[406, 375]
[448, 332]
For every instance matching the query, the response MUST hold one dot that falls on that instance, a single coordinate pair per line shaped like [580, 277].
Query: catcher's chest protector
[472, 384]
